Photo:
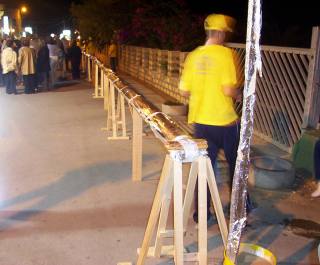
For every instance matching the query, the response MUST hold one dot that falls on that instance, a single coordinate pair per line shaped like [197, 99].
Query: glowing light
[28, 29]
[6, 28]
[24, 9]
[52, 35]
[24, 34]
[66, 33]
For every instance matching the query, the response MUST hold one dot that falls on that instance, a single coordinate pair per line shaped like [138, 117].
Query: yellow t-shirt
[206, 70]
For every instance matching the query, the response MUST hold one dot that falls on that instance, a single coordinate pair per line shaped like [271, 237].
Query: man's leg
[26, 82]
[10, 83]
[33, 81]
[5, 81]
[230, 147]
[77, 73]
[14, 83]
[204, 132]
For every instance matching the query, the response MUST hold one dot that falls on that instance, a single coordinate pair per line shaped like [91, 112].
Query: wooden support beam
[89, 70]
[136, 146]
[178, 212]
[217, 202]
[155, 211]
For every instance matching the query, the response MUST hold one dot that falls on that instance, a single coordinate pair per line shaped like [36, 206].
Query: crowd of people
[37, 63]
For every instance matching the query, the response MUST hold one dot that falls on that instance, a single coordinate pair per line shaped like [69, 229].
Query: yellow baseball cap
[219, 22]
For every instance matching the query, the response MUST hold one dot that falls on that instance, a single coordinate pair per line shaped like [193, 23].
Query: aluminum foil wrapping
[164, 128]
[239, 188]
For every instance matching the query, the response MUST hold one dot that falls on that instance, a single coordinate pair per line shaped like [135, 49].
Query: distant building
[10, 21]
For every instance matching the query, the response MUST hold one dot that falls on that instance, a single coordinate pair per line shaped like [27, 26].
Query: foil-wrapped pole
[239, 187]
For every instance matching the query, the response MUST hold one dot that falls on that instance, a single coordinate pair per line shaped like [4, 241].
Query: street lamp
[24, 9]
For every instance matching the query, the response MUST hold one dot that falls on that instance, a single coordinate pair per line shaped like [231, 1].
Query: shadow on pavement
[71, 185]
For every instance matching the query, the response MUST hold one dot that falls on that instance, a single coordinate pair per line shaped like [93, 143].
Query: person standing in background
[27, 66]
[66, 46]
[74, 55]
[9, 67]
[43, 65]
[54, 52]
[35, 43]
[112, 54]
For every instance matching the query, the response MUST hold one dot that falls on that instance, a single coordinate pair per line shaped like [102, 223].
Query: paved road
[66, 195]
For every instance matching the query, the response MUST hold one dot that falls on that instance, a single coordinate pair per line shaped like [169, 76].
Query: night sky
[52, 15]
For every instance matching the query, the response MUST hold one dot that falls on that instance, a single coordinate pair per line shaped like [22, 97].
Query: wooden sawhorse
[114, 104]
[171, 182]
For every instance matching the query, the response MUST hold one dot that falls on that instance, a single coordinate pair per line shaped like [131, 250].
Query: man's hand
[232, 92]
[239, 97]
[185, 93]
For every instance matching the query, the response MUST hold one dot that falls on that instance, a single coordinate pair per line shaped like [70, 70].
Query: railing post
[312, 102]
[121, 61]
[182, 57]
[138, 61]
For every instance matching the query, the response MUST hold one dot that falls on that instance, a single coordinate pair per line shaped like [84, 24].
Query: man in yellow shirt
[211, 82]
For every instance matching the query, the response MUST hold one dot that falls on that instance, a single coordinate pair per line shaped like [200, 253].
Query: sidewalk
[67, 197]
